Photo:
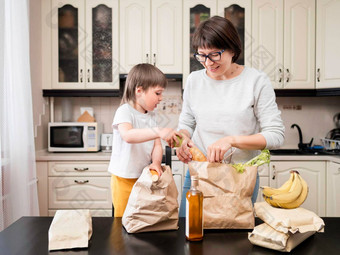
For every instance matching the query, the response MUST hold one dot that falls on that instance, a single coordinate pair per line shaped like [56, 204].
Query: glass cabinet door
[67, 35]
[198, 14]
[194, 12]
[68, 50]
[239, 13]
[102, 44]
[235, 14]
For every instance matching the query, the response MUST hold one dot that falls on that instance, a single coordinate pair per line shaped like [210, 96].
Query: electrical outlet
[292, 107]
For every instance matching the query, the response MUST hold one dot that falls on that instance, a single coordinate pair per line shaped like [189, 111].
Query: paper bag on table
[70, 229]
[227, 195]
[289, 220]
[265, 236]
[152, 206]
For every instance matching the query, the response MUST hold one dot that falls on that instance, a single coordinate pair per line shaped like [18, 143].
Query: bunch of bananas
[290, 195]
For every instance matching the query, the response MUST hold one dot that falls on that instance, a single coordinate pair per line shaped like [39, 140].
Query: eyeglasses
[213, 56]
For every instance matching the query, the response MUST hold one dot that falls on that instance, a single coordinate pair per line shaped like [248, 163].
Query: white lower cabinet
[333, 189]
[79, 185]
[313, 172]
[264, 180]
[178, 170]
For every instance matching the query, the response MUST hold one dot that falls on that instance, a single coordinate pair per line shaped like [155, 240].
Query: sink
[286, 152]
[297, 152]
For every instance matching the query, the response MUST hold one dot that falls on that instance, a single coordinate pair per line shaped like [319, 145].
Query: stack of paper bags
[284, 229]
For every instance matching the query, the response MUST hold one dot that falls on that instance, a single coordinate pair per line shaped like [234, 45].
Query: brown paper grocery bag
[152, 206]
[227, 195]
[70, 229]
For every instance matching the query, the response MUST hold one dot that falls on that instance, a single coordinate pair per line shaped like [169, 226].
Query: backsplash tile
[313, 114]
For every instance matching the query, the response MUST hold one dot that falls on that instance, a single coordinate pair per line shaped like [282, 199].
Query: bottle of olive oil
[194, 212]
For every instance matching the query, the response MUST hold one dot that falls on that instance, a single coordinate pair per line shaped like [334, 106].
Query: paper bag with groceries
[227, 194]
[152, 205]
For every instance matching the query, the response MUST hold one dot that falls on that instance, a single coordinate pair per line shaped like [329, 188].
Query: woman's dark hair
[145, 76]
[217, 32]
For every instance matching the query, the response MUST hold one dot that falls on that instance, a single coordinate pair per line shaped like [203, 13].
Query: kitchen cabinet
[78, 185]
[283, 34]
[178, 170]
[333, 189]
[196, 11]
[80, 45]
[42, 178]
[151, 32]
[327, 44]
[263, 172]
[313, 172]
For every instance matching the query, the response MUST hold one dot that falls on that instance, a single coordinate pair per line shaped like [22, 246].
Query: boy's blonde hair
[145, 76]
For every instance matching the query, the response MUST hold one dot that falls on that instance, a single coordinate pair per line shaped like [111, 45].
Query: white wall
[40, 119]
[315, 117]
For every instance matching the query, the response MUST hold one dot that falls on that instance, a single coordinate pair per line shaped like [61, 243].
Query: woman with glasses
[225, 104]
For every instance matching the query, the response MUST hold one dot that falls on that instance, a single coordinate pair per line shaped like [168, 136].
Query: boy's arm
[157, 155]
[140, 135]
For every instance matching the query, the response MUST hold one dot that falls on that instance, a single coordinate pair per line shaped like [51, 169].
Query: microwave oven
[74, 136]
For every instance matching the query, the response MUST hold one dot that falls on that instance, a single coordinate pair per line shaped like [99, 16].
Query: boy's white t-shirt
[127, 159]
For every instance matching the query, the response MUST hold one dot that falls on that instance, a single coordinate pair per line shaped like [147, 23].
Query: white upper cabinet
[85, 44]
[194, 12]
[284, 42]
[327, 44]
[151, 32]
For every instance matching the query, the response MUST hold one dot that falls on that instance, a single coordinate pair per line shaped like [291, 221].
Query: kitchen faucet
[302, 145]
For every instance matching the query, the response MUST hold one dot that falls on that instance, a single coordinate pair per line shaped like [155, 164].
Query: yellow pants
[121, 189]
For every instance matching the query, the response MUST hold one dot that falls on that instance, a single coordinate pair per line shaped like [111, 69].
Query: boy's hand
[157, 167]
[166, 134]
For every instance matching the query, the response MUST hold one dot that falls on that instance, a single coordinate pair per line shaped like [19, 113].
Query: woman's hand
[216, 151]
[183, 152]
[157, 167]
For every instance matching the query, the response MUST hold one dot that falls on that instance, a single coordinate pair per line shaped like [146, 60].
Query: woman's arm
[140, 135]
[216, 151]
[157, 155]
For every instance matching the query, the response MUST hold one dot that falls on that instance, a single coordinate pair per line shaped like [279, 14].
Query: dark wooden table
[29, 235]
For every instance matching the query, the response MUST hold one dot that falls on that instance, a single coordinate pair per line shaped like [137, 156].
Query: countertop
[44, 155]
[29, 236]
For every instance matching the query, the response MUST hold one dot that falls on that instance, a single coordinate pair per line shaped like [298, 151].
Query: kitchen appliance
[74, 136]
[334, 134]
[106, 142]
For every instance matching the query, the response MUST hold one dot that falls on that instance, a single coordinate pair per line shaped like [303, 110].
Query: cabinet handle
[280, 75]
[318, 75]
[288, 75]
[81, 182]
[88, 75]
[81, 75]
[154, 59]
[274, 172]
[81, 169]
[147, 58]
[338, 171]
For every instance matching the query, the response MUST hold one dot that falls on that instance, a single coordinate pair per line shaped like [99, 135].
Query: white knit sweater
[243, 105]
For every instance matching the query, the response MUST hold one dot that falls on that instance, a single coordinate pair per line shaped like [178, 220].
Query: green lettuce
[263, 158]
